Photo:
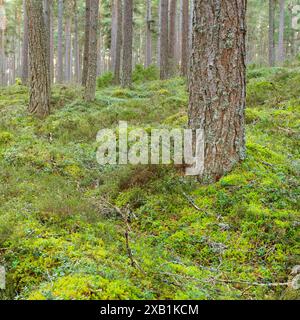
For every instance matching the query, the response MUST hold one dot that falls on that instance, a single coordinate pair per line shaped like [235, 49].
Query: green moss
[5, 137]
[62, 240]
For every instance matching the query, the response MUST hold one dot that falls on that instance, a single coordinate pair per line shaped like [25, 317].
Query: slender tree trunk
[271, 33]
[172, 37]
[118, 45]
[127, 44]
[218, 83]
[184, 37]
[88, 4]
[148, 55]
[163, 39]
[99, 61]
[68, 41]
[2, 46]
[90, 88]
[178, 36]
[51, 41]
[114, 31]
[191, 17]
[13, 60]
[60, 70]
[281, 53]
[25, 47]
[46, 10]
[76, 46]
[39, 102]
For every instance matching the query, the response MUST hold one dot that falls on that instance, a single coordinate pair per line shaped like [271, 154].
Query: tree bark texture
[39, 102]
[127, 44]
[218, 83]
[90, 88]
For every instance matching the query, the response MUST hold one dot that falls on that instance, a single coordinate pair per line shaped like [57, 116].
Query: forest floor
[61, 214]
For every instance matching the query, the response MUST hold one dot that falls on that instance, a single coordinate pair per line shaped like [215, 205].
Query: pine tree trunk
[114, 31]
[163, 39]
[118, 44]
[281, 55]
[88, 4]
[271, 33]
[60, 70]
[68, 41]
[148, 55]
[51, 42]
[90, 88]
[184, 37]
[218, 83]
[2, 48]
[25, 47]
[191, 16]
[76, 46]
[127, 43]
[39, 102]
[172, 37]
[46, 11]
[99, 61]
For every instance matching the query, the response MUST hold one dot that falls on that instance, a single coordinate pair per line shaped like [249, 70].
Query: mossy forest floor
[62, 235]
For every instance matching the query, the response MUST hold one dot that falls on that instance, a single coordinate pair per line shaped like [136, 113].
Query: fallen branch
[249, 283]
[126, 219]
[192, 202]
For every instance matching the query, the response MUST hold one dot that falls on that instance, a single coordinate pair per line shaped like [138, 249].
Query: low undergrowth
[62, 215]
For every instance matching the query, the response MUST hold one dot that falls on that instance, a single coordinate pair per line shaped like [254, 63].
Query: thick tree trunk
[271, 33]
[90, 88]
[88, 4]
[25, 47]
[60, 70]
[217, 83]
[172, 37]
[39, 66]
[184, 37]
[127, 44]
[281, 53]
[148, 54]
[163, 39]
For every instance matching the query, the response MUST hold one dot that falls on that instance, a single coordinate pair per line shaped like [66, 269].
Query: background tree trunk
[39, 102]
[90, 88]
[184, 37]
[172, 37]
[118, 44]
[68, 44]
[60, 70]
[127, 43]
[88, 4]
[281, 53]
[218, 82]
[148, 54]
[271, 33]
[25, 47]
[113, 35]
[163, 39]
[46, 11]
[76, 44]
[51, 42]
